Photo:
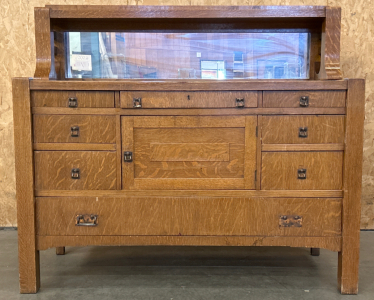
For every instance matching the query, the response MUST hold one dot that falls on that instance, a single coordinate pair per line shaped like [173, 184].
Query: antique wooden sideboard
[235, 162]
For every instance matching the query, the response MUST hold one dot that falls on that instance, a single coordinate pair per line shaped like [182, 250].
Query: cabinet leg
[29, 270]
[60, 250]
[314, 251]
[348, 271]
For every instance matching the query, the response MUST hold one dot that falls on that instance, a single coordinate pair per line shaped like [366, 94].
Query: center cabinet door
[184, 152]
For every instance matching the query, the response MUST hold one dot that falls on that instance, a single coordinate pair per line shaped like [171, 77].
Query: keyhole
[188, 97]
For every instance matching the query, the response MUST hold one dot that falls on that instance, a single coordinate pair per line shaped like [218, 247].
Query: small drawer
[75, 170]
[72, 99]
[302, 129]
[234, 99]
[74, 129]
[168, 216]
[304, 99]
[302, 170]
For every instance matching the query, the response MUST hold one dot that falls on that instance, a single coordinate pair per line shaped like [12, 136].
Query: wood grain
[316, 98]
[188, 216]
[188, 99]
[75, 146]
[197, 193]
[330, 45]
[193, 85]
[61, 99]
[28, 256]
[301, 147]
[189, 112]
[57, 129]
[42, 43]
[285, 129]
[330, 243]
[280, 170]
[53, 170]
[127, 125]
[349, 256]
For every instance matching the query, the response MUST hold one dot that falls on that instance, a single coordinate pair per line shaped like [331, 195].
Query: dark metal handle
[137, 102]
[75, 173]
[239, 102]
[304, 101]
[86, 220]
[303, 132]
[73, 102]
[301, 174]
[74, 131]
[290, 221]
[127, 156]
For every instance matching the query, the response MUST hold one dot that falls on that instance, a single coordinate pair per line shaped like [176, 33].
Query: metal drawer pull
[239, 102]
[303, 132]
[74, 131]
[301, 174]
[127, 156]
[304, 101]
[73, 102]
[75, 174]
[137, 102]
[290, 221]
[86, 220]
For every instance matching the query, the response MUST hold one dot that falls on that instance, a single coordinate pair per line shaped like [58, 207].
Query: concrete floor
[192, 273]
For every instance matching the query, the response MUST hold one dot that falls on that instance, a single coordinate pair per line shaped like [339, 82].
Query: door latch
[127, 156]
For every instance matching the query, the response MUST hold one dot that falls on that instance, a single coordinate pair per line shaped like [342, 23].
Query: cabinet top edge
[181, 85]
[180, 11]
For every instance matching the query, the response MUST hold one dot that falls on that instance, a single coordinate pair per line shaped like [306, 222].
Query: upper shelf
[321, 22]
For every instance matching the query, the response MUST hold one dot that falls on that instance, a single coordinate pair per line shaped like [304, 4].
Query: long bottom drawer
[185, 216]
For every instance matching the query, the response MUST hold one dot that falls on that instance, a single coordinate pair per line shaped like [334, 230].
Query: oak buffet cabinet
[228, 150]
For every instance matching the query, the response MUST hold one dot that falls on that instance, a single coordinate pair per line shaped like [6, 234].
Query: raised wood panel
[191, 152]
[323, 170]
[292, 98]
[285, 129]
[57, 129]
[53, 170]
[61, 98]
[192, 99]
[185, 216]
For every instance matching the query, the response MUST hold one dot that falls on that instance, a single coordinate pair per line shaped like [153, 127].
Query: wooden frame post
[349, 256]
[28, 255]
[42, 43]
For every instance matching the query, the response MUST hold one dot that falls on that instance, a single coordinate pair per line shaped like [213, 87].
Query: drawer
[74, 129]
[304, 99]
[284, 170]
[80, 99]
[187, 216]
[302, 129]
[189, 99]
[75, 170]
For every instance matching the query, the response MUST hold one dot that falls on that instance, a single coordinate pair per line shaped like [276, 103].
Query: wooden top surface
[133, 11]
[180, 85]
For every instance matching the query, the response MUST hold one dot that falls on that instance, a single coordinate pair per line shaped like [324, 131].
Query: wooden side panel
[188, 99]
[292, 98]
[349, 256]
[97, 170]
[285, 129]
[42, 43]
[61, 98]
[58, 129]
[330, 45]
[323, 170]
[28, 256]
[185, 216]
